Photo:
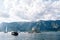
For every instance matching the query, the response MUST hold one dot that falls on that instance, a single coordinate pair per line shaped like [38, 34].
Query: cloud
[29, 10]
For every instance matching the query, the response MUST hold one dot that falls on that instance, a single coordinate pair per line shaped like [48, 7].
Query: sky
[29, 10]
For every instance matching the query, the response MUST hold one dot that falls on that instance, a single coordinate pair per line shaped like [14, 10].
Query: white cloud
[29, 10]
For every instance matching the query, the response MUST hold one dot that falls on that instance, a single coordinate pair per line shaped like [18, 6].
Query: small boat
[14, 33]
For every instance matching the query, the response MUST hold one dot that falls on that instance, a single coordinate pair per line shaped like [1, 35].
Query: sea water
[31, 36]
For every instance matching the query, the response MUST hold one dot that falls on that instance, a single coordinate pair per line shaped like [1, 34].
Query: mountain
[39, 26]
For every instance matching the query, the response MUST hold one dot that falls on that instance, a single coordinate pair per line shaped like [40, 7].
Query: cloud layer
[29, 10]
